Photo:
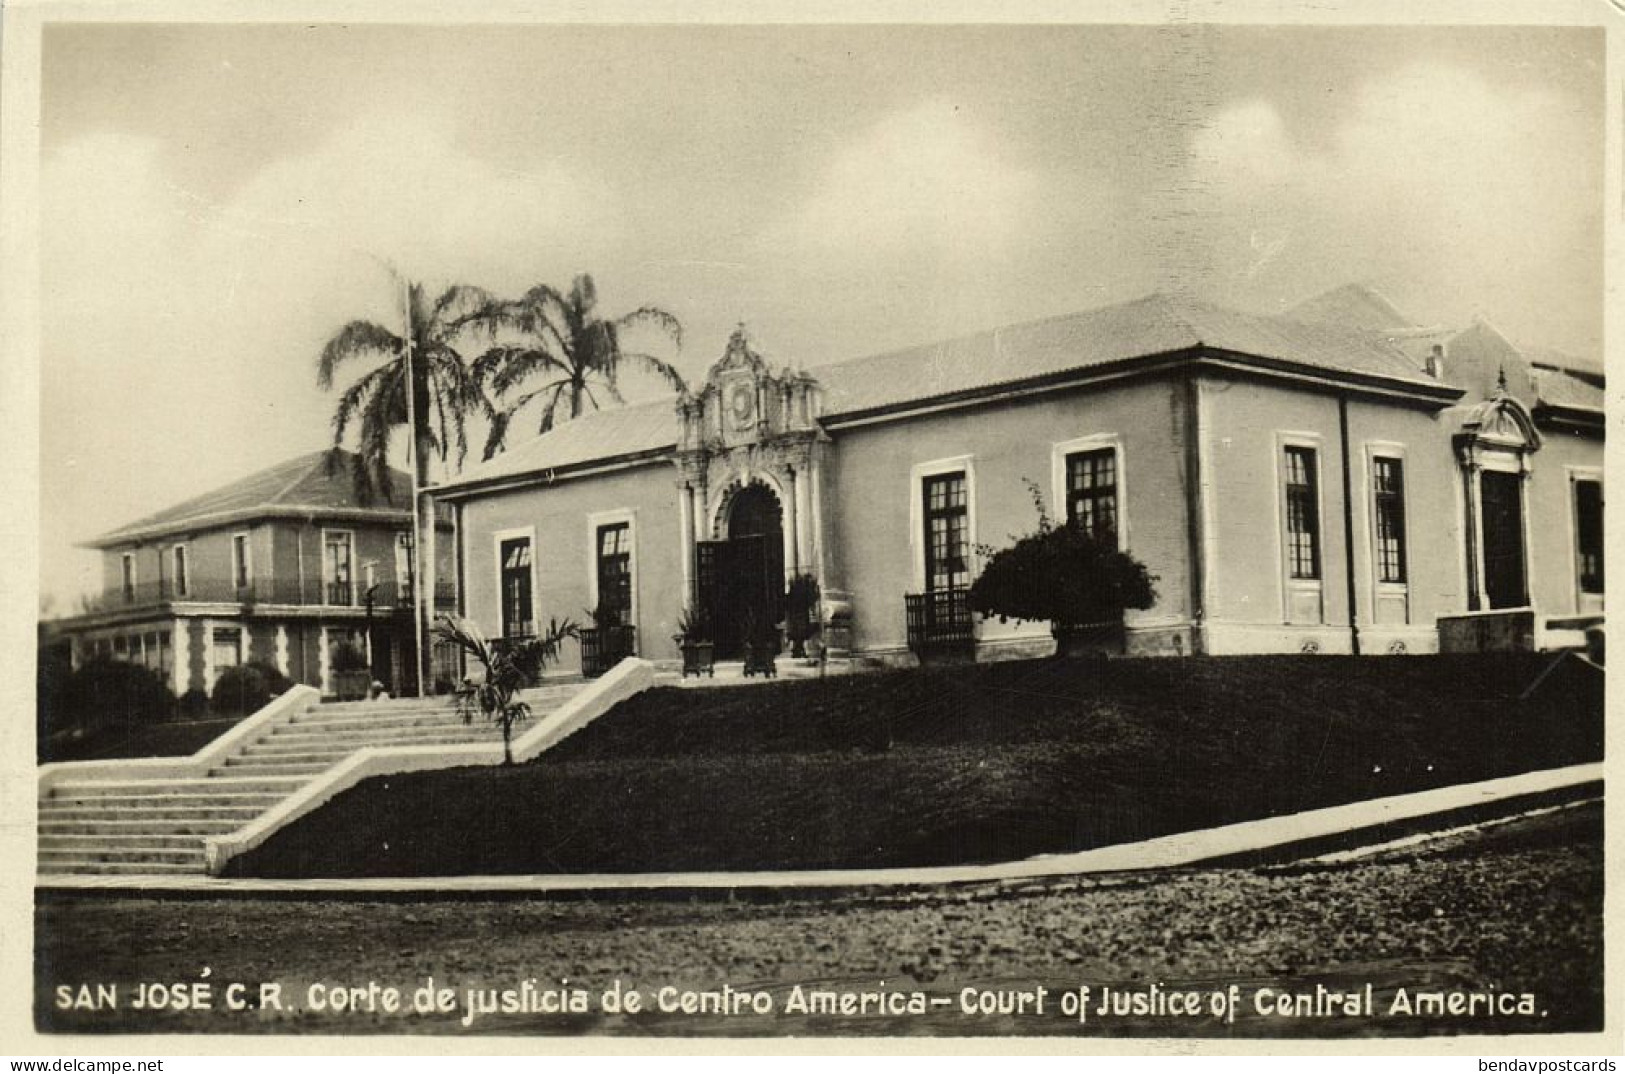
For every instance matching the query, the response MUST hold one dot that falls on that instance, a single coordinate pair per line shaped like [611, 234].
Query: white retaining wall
[280, 710]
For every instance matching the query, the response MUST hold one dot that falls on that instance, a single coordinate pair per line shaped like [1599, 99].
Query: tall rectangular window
[403, 564]
[1388, 494]
[1302, 514]
[947, 533]
[127, 568]
[180, 570]
[1588, 533]
[241, 571]
[1091, 493]
[517, 621]
[339, 559]
[615, 571]
[227, 644]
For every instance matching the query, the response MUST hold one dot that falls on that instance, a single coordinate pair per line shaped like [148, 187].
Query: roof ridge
[317, 459]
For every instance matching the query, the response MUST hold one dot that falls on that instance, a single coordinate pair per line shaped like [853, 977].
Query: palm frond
[354, 340]
[648, 363]
[656, 317]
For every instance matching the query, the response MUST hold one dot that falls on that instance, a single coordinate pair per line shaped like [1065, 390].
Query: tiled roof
[298, 485]
[597, 434]
[1354, 305]
[1561, 388]
[1153, 325]
[1157, 324]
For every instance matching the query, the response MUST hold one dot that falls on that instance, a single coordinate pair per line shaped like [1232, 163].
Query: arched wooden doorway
[741, 577]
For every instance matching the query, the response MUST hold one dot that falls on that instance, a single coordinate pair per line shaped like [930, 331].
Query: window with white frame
[338, 563]
[614, 572]
[1588, 533]
[1091, 493]
[1301, 492]
[946, 514]
[1388, 513]
[127, 575]
[518, 618]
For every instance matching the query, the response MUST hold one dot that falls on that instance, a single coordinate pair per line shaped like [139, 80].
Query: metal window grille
[1388, 480]
[1302, 514]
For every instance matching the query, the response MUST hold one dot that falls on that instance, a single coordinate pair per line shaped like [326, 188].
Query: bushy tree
[105, 691]
[1061, 574]
[247, 688]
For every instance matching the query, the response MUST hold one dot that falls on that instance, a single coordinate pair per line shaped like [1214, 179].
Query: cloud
[205, 318]
[1438, 183]
[923, 179]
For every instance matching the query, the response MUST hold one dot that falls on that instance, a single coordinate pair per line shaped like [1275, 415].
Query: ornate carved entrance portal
[750, 460]
[740, 580]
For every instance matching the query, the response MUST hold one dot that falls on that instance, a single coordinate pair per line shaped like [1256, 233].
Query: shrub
[105, 691]
[348, 656]
[247, 688]
[193, 705]
[1061, 574]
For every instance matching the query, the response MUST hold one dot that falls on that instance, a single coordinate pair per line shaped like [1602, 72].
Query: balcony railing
[309, 593]
[940, 623]
[604, 647]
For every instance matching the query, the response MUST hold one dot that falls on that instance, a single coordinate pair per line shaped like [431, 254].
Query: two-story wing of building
[1334, 479]
[285, 568]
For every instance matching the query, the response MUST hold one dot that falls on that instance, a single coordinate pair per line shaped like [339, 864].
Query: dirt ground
[1513, 912]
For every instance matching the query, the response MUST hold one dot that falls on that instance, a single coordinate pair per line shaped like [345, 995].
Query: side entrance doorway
[1502, 497]
[740, 580]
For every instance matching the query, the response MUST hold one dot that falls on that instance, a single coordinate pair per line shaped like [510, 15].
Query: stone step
[272, 768]
[369, 724]
[157, 856]
[278, 785]
[158, 826]
[155, 810]
[279, 746]
[114, 841]
[121, 868]
[266, 762]
[157, 798]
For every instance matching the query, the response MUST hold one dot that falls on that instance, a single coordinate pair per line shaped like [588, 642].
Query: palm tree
[569, 348]
[445, 389]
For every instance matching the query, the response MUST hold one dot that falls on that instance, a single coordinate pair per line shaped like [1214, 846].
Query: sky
[217, 200]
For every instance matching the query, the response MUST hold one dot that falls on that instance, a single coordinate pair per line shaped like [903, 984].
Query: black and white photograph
[1083, 528]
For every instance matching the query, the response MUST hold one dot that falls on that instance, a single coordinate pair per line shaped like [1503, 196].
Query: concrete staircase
[156, 826]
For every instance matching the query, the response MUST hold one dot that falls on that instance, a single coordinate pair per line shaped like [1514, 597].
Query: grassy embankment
[949, 765]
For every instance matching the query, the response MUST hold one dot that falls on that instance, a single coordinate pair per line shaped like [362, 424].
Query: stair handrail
[283, 707]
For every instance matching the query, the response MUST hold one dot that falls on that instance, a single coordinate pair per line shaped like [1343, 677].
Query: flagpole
[417, 528]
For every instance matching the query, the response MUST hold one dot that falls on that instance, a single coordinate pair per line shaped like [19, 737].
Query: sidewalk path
[1171, 851]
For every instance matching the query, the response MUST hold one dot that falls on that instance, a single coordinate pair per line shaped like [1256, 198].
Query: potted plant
[607, 642]
[693, 637]
[352, 674]
[503, 672]
[800, 612]
[1079, 582]
[760, 645]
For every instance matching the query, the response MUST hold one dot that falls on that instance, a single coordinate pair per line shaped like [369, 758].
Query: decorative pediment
[744, 402]
[1500, 425]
